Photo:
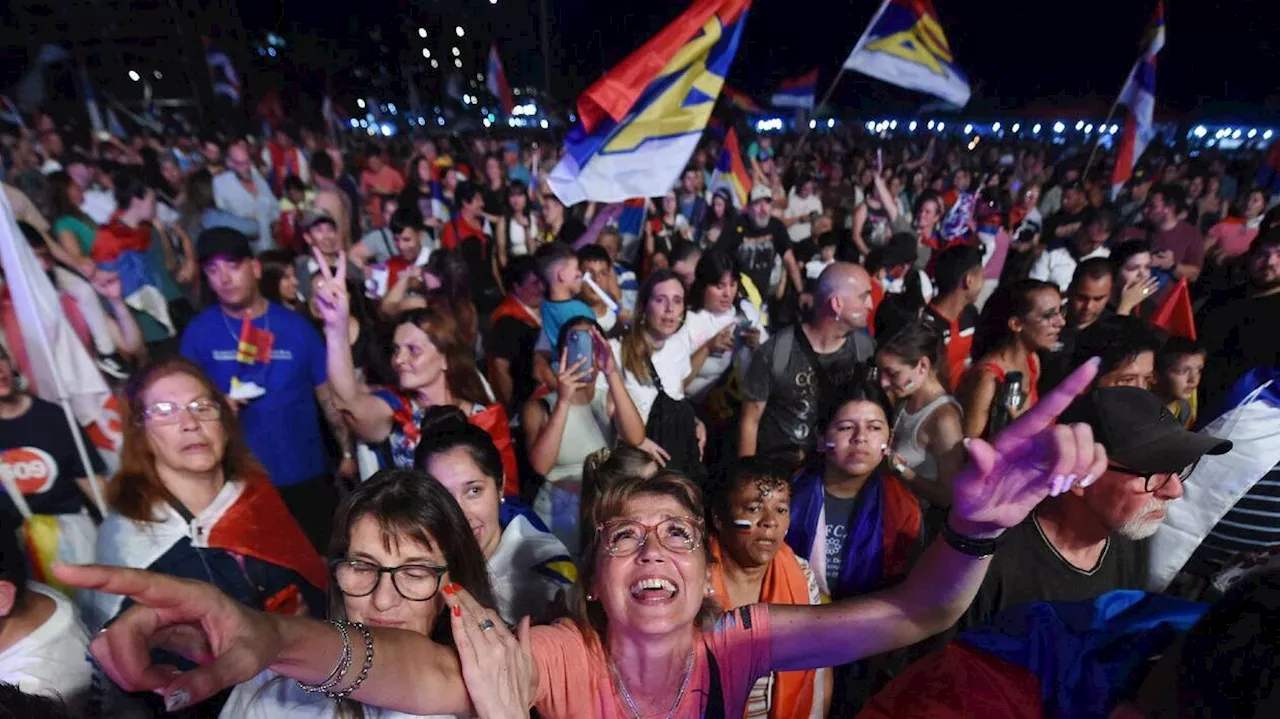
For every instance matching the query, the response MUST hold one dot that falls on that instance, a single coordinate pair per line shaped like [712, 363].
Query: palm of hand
[1006, 493]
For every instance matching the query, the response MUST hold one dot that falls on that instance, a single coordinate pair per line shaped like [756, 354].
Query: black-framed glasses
[203, 410]
[624, 537]
[1154, 482]
[415, 582]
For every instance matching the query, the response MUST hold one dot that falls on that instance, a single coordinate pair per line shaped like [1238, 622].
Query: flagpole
[832, 87]
[1114, 106]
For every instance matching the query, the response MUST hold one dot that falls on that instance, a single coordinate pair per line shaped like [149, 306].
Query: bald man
[789, 374]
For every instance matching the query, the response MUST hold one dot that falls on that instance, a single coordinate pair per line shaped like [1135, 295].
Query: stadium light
[1079, 124]
[434, 63]
[942, 126]
[1253, 133]
[1058, 128]
[1088, 128]
[813, 124]
[133, 75]
[1035, 129]
[422, 32]
[830, 123]
[1266, 135]
[460, 31]
[426, 53]
[968, 129]
[930, 125]
[912, 126]
[1113, 129]
[995, 127]
[1200, 131]
[1015, 128]
[457, 63]
[893, 124]
[871, 125]
[360, 103]
[545, 124]
[354, 123]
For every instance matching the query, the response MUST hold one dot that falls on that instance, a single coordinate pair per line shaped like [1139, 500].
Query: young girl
[1179, 365]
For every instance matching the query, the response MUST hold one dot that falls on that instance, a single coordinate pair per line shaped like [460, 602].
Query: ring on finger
[486, 625]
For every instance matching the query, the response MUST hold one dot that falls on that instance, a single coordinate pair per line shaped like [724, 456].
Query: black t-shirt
[39, 453]
[1027, 569]
[1048, 237]
[757, 249]
[791, 391]
[495, 201]
[514, 341]
[1240, 335]
[837, 510]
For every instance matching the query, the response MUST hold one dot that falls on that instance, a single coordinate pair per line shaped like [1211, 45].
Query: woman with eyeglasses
[190, 501]
[647, 638]
[1019, 321]
[398, 540]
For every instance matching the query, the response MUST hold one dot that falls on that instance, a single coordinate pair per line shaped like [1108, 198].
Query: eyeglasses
[415, 582]
[203, 410]
[1155, 482]
[625, 537]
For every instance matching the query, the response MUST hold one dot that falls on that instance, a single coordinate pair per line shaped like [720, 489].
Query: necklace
[626, 695]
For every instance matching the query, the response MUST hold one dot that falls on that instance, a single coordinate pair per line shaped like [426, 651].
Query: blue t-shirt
[554, 315]
[282, 427]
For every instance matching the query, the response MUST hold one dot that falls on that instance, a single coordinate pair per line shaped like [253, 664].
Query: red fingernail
[448, 590]
[457, 611]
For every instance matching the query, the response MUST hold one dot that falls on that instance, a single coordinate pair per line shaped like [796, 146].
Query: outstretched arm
[1003, 482]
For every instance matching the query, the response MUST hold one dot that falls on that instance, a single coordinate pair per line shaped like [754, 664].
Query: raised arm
[370, 418]
[1032, 459]
[409, 673]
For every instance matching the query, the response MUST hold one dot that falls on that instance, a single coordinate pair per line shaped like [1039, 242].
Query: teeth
[653, 583]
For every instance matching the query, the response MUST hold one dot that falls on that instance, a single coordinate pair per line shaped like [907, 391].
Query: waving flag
[741, 100]
[730, 173]
[639, 124]
[497, 81]
[1139, 95]
[905, 46]
[797, 91]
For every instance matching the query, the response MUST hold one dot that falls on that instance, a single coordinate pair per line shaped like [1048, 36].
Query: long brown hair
[136, 488]
[589, 616]
[461, 376]
[637, 348]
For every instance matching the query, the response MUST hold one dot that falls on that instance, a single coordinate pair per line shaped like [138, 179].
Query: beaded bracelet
[364, 671]
[340, 670]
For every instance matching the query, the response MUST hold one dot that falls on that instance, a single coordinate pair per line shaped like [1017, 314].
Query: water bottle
[1008, 401]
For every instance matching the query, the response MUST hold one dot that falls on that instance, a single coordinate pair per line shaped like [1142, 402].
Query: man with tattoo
[270, 362]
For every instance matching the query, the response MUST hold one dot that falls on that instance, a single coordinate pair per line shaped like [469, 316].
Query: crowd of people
[863, 446]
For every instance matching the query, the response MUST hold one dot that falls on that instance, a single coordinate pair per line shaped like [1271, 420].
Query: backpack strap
[782, 344]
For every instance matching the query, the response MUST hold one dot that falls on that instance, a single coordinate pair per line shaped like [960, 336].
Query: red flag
[1174, 313]
[255, 344]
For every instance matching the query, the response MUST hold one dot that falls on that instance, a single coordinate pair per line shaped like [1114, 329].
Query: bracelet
[364, 670]
[340, 670]
[972, 546]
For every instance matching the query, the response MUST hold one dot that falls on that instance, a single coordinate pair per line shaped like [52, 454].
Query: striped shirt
[1252, 525]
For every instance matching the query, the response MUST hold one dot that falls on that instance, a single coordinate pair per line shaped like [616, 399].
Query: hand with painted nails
[497, 665]
[1031, 459]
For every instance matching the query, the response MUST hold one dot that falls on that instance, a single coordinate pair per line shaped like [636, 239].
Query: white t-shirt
[1059, 267]
[54, 659]
[798, 206]
[263, 698]
[702, 325]
[672, 363]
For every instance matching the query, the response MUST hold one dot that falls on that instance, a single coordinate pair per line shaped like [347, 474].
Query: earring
[590, 597]
[884, 448]
[711, 591]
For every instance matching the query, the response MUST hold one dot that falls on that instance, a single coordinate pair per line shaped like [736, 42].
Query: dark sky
[1015, 51]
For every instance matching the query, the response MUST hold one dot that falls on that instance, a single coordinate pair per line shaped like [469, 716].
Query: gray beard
[1139, 528]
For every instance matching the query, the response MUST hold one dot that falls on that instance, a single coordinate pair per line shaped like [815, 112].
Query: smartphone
[580, 345]
[744, 325]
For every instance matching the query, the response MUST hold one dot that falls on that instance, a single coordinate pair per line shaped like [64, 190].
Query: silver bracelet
[364, 670]
[340, 670]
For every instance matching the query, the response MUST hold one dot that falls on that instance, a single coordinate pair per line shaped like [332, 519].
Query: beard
[1139, 527]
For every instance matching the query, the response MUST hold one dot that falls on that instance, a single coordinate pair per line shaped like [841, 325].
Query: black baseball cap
[224, 242]
[1139, 432]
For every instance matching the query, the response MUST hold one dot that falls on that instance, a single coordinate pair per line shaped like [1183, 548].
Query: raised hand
[497, 665]
[602, 352]
[1135, 293]
[570, 379]
[332, 301]
[231, 642]
[1031, 459]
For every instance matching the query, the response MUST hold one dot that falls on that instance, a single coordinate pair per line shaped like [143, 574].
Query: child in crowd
[1179, 366]
[297, 199]
[826, 255]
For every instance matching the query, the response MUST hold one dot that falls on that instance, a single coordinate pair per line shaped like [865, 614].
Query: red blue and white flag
[731, 173]
[905, 46]
[797, 91]
[639, 124]
[742, 101]
[497, 81]
[1139, 95]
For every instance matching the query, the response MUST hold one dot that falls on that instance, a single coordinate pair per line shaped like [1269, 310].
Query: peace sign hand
[332, 302]
[1031, 459]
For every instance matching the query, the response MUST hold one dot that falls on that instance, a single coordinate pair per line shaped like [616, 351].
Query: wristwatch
[972, 546]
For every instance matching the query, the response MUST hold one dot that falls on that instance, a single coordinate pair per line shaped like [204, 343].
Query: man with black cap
[270, 362]
[1084, 542]
[320, 232]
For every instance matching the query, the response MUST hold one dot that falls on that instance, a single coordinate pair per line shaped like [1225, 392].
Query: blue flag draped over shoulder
[639, 124]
